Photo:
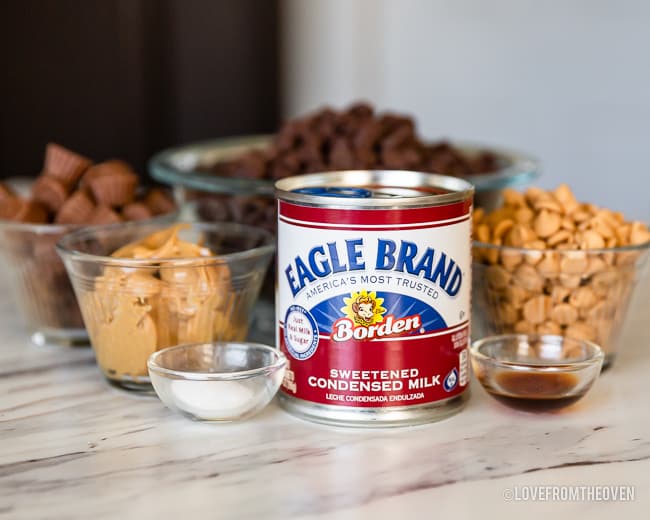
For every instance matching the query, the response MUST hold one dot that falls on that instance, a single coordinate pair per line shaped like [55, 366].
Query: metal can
[373, 296]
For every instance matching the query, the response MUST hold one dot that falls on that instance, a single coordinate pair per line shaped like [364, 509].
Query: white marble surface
[71, 447]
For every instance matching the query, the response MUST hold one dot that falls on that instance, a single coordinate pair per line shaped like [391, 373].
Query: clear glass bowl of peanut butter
[145, 287]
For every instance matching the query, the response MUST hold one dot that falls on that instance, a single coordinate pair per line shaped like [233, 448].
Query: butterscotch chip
[477, 215]
[560, 236]
[523, 327]
[623, 234]
[533, 193]
[136, 211]
[549, 265]
[103, 215]
[497, 277]
[604, 227]
[564, 314]
[519, 235]
[580, 215]
[516, 295]
[549, 327]
[502, 227]
[50, 192]
[546, 223]
[547, 203]
[513, 198]
[507, 313]
[568, 224]
[527, 277]
[570, 280]
[582, 298]
[639, 233]
[483, 233]
[65, 165]
[535, 253]
[596, 264]
[524, 215]
[498, 215]
[560, 294]
[492, 254]
[76, 210]
[565, 196]
[574, 263]
[537, 309]
[511, 259]
[580, 330]
[591, 239]
[159, 203]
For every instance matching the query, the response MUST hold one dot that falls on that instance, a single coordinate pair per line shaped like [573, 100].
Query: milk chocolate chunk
[158, 202]
[65, 165]
[6, 192]
[21, 210]
[103, 215]
[136, 211]
[76, 210]
[50, 192]
[114, 189]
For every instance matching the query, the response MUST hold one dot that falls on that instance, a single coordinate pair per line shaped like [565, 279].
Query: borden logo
[364, 319]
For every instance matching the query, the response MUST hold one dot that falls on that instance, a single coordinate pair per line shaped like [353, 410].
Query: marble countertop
[72, 447]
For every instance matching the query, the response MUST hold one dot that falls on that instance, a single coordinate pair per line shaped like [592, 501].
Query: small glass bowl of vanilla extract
[536, 372]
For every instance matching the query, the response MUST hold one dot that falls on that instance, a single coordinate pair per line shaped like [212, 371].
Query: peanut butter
[133, 311]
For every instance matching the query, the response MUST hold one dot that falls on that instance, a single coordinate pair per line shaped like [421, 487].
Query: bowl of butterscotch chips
[71, 192]
[546, 263]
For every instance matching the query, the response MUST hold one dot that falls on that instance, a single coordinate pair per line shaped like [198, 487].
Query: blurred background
[568, 82]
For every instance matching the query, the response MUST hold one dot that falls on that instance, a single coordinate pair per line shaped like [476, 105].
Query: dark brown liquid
[535, 392]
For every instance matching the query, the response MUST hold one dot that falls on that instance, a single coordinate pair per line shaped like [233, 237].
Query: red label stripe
[374, 216]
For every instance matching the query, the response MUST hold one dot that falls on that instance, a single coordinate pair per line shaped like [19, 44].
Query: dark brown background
[126, 78]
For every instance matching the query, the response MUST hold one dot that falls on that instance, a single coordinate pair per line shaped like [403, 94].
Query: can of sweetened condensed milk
[373, 296]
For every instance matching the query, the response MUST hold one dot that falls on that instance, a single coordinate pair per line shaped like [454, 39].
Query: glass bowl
[217, 381]
[38, 281]
[584, 294]
[183, 167]
[536, 372]
[134, 307]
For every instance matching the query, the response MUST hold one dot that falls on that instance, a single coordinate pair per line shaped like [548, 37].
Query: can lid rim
[459, 189]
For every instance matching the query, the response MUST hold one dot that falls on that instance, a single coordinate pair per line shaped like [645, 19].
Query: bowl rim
[163, 166]
[66, 252]
[527, 250]
[279, 362]
[42, 228]
[596, 358]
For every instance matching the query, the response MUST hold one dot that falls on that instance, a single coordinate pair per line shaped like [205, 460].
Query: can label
[373, 305]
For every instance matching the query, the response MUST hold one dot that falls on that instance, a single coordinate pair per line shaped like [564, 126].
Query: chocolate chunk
[252, 166]
[159, 202]
[112, 167]
[341, 156]
[213, 209]
[136, 211]
[103, 215]
[22, 210]
[65, 165]
[50, 192]
[113, 189]
[76, 210]
[6, 192]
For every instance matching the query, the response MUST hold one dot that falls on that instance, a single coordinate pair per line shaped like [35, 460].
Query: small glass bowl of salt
[225, 382]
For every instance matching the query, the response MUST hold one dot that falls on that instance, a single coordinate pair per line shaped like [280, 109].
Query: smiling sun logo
[364, 308]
